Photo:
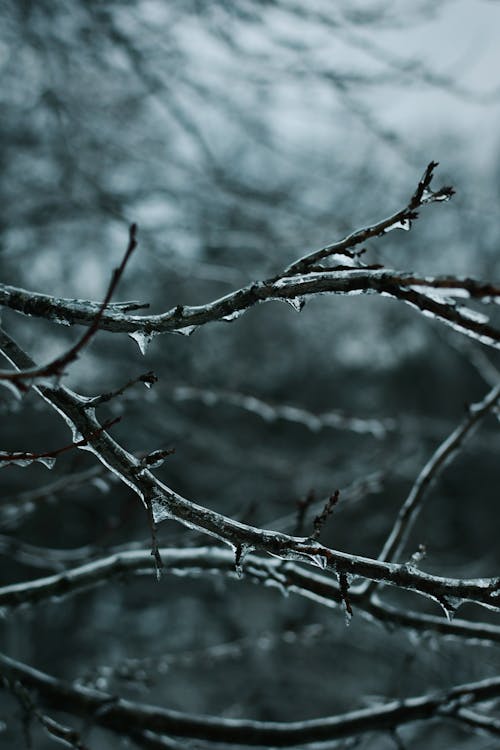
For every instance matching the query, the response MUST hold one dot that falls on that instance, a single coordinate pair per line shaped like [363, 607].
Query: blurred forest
[239, 136]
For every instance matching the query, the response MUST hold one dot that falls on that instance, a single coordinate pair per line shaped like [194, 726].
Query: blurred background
[240, 135]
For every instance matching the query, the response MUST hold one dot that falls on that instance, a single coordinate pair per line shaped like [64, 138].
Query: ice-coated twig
[272, 412]
[148, 378]
[56, 366]
[183, 319]
[25, 458]
[126, 716]
[410, 288]
[444, 454]
[402, 218]
[432, 296]
[483, 724]
[201, 561]
[166, 503]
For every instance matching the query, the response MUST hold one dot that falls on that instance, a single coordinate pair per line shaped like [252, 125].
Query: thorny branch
[433, 296]
[166, 503]
[203, 561]
[336, 269]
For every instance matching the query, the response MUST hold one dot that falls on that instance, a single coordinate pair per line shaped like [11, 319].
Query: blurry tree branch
[128, 717]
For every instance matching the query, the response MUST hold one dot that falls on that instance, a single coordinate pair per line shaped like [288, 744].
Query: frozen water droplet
[48, 462]
[449, 605]
[233, 316]
[296, 302]
[404, 224]
[319, 560]
[186, 331]
[142, 340]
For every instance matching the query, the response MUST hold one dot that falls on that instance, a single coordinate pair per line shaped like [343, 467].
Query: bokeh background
[240, 135]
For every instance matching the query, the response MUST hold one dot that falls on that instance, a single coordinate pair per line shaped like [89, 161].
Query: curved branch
[183, 319]
[127, 717]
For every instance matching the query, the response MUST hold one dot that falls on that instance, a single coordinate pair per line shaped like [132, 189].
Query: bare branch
[327, 510]
[126, 717]
[301, 279]
[166, 503]
[401, 219]
[444, 454]
[273, 412]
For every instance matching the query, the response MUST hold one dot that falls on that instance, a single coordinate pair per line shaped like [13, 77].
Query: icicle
[297, 303]
[186, 331]
[449, 605]
[319, 560]
[142, 340]
[404, 224]
[233, 316]
[49, 462]
[26, 460]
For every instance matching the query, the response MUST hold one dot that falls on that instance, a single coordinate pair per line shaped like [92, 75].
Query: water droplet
[186, 331]
[142, 340]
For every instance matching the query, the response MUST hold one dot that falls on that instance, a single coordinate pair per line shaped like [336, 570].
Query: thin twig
[56, 367]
